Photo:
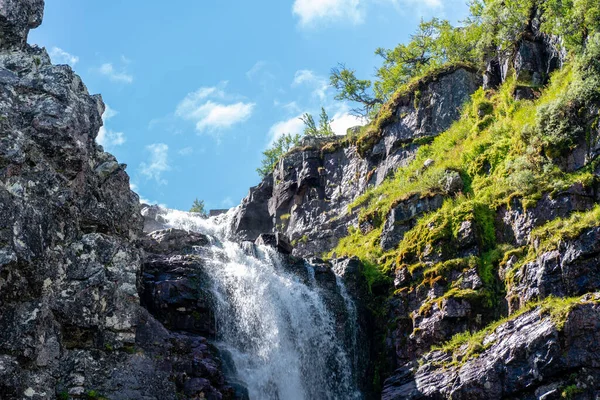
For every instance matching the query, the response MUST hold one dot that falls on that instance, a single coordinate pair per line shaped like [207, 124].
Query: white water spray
[280, 331]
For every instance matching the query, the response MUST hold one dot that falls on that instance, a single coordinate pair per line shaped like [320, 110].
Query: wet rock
[516, 222]
[275, 240]
[252, 217]
[153, 218]
[70, 265]
[174, 241]
[565, 272]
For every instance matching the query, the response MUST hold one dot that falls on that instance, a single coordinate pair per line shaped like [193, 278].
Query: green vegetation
[492, 28]
[198, 207]
[287, 142]
[271, 156]
[570, 391]
[311, 128]
[509, 157]
[94, 395]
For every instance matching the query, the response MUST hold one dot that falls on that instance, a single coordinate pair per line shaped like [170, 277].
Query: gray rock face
[17, 17]
[403, 218]
[432, 108]
[308, 195]
[252, 217]
[533, 356]
[535, 57]
[567, 271]
[70, 266]
[516, 223]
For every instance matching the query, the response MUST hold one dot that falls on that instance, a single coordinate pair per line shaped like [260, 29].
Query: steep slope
[463, 232]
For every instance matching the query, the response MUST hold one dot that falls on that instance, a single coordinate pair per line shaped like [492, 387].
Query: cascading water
[280, 330]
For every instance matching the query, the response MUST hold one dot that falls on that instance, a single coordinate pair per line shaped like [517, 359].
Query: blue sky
[197, 89]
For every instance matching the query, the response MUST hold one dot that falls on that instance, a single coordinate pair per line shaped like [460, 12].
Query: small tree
[272, 155]
[198, 207]
[323, 130]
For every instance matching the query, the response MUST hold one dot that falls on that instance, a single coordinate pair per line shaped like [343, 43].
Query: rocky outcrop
[16, 19]
[253, 216]
[569, 270]
[308, 195]
[404, 216]
[516, 222]
[533, 58]
[542, 354]
[70, 268]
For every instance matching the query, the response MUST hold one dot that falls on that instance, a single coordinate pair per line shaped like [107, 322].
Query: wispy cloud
[212, 109]
[314, 11]
[317, 12]
[111, 73]
[318, 83]
[256, 69]
[293, 126]
[157, 164]
[107, 138]
[186, 151]
[60, 56]
[291, 107]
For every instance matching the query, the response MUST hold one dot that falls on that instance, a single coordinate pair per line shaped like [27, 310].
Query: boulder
[275, 240]
[404, 216]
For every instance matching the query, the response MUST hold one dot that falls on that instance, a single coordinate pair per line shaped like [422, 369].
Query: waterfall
[281, 330]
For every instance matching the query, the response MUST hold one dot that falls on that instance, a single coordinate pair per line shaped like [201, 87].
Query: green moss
[570, 391]
[94, 395]
[284, 217]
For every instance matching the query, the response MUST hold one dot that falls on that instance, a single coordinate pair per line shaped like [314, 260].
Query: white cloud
[116, 76]
[291, 107]
[157, 164]
[418, 4]
[210, 115]
[110, 139]
[107, 138]
[256, 69]
[309, 78]
[60, 56]
[343, 120]
[108, 113]
[293, 125]
[313, 11]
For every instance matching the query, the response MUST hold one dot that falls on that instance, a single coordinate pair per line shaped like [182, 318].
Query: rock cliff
[70, 267]
[467, 263]
[311, 188]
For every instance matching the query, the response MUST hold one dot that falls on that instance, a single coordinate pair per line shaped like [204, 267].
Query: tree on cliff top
[271, 156]
[311, 129]
[198, 207]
